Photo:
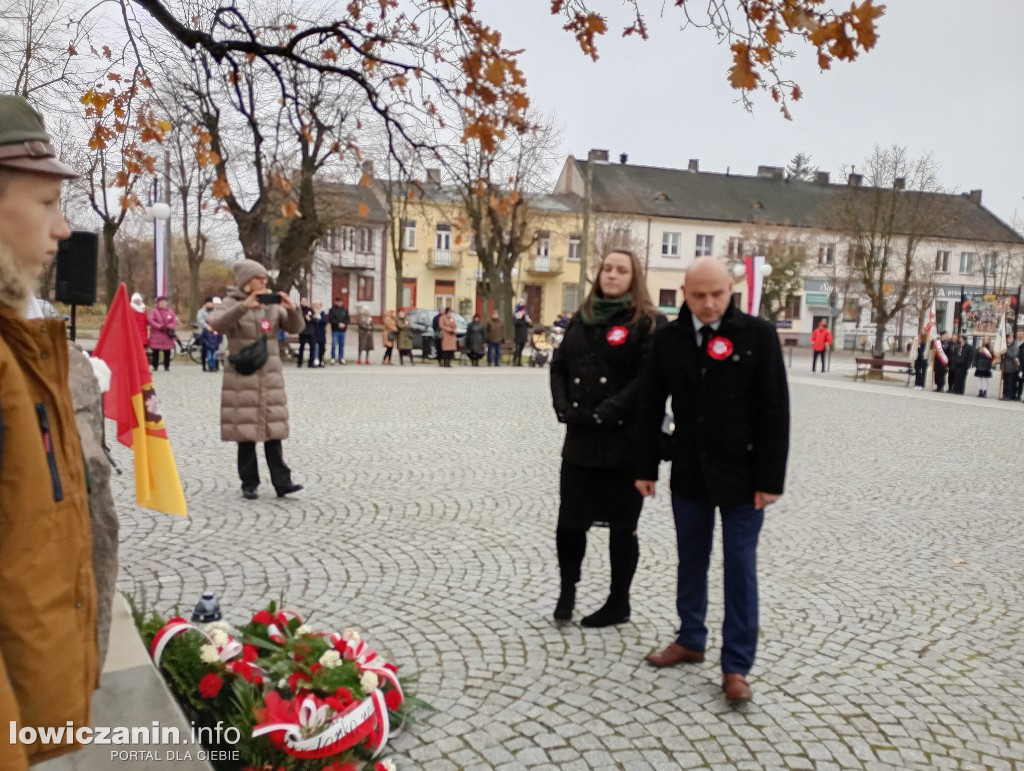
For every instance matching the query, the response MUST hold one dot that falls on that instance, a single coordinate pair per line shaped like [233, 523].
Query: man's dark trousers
[695, 525]
[940, 378]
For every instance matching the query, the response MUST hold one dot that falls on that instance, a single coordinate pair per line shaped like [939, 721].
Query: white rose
[282, 683]
[369, 681]
[330, 660]
[209, 655]
[388, 765]
[352, 634]
[303, 630]
[219, 637]
[217, 625]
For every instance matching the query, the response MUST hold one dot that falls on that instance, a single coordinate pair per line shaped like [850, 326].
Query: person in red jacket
[821, 339]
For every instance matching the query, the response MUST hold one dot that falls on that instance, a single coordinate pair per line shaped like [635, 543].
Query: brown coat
[390, 325]
[449, 341]
[495, 331]
[48, 660]
[253, 408]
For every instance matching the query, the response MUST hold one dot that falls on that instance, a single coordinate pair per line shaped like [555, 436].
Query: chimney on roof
[975, 196]
[598, 155]
[821, 177]
[900, 183]
[623, 158]
[855, 180]
[770, 172]
[694, 164]
[368, 169]
[434, 176]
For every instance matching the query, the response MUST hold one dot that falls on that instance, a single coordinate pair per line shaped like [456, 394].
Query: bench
[864, 366]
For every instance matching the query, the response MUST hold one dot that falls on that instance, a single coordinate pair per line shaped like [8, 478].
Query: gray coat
[254, 408]
[1011, 359]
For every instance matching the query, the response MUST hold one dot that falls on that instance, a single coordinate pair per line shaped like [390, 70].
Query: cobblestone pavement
[891, 584]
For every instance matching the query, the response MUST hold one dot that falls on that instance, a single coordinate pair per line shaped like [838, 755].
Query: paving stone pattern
[428, 524]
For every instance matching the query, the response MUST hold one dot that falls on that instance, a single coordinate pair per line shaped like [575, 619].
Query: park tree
[894, 205]
[787, 253]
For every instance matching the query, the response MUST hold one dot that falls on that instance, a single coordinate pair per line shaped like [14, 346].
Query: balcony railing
[349, 259]
[444, 259]
[545, 265]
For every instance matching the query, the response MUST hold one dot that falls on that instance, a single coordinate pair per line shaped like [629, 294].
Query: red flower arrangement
[297, 698]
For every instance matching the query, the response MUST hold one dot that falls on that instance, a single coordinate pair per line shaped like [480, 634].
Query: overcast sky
[945, 78]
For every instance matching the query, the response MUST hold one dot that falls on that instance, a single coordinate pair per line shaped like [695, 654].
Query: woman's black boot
[571, 545]
[624, 551]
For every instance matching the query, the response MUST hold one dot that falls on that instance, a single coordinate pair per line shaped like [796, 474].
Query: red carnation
[210, 686]
[249, 653]
[315, 668]
[247, 671]
[393, 699]
[263, 617]
[297, 677]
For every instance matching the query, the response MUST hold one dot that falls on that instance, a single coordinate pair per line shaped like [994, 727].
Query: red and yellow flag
[132, 402]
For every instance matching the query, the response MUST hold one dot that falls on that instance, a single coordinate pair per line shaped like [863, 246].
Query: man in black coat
[725, 373]
[338, 318]
[942, 367]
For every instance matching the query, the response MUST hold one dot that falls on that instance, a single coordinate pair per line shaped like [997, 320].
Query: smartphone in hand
[269, 299]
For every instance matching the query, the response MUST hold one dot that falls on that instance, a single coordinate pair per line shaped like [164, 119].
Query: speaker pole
[74, 318]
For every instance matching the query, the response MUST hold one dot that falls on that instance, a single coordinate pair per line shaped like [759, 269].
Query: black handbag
[251, 358]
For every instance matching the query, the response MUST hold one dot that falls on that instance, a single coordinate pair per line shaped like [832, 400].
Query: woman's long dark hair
[642, 305]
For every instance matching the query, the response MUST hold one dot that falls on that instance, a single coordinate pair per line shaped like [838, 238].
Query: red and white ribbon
[281, 617]
[360, 721]
[230, 650]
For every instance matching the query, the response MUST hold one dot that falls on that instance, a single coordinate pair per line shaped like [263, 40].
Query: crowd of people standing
[952, 359]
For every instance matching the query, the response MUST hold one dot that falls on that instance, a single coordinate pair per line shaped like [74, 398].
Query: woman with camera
[253, 405]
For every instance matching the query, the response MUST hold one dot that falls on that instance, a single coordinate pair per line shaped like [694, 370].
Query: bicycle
[193, 348]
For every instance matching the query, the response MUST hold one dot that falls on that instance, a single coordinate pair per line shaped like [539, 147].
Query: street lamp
[756, 270]
[158, 213]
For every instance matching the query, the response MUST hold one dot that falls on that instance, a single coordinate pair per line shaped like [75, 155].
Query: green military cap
[24, 143]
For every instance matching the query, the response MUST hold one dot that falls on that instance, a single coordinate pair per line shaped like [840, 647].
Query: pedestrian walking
[162, 321]
[476, 339]
[449, 340]
[365, 323]
[725, 373]
[821, 339]
[594, 376]
[1011, 369]
[389, 336]
[920, 361]
[522, 334]
[48, 605]
[495, 339]
[404, 341]
[254, 407]
[338, 318]
[983, 360]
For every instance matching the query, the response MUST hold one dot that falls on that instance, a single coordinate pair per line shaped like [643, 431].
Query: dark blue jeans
[494, 354]
[338, 344]
[695, 525]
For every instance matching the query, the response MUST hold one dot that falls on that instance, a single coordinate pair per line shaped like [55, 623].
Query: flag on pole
[999, 341]
[933, 337]
[132, 403]
[755, 281]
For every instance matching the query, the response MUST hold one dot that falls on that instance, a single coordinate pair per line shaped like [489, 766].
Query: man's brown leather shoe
[674, 654]
[736, 688]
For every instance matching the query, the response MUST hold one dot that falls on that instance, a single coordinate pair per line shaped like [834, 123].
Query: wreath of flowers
[301, 700]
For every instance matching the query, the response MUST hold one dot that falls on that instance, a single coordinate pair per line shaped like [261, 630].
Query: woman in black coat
[594, 377]
[522, 325]
[983, 365]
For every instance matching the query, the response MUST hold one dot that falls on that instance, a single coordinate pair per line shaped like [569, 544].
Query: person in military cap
[48, 639]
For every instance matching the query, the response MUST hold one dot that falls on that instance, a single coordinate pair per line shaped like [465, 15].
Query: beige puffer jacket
[253, 408]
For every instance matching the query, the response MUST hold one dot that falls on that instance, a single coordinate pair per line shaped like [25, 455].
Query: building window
[792, 310]
[705, 244]
[348, 239]
[667, 298]
[736, 247]
[851, 311]
[989, 264]
[364, 288]
[854, 256]
[670, 244]
[827, 254]
[331, 239]
[444, 294]
[574, 248]
[365, 241]
[570, 298]
[966, 263]
[409, 234]
[543, 245]
[942, 261]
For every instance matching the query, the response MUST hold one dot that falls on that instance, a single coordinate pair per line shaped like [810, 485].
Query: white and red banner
[755, 282]
[933, 337]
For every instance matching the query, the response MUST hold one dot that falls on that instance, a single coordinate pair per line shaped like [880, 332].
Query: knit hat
[217, 301]
[24, 143]
[246, 270]
[137, 302]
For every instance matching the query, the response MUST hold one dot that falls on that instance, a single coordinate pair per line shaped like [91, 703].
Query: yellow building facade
[440, 267]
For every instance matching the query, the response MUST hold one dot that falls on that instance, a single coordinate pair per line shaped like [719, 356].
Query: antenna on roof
[727, 170]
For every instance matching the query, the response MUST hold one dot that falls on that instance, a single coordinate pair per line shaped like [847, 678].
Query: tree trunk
[112, 274]
[399, 300]
[879, 350]
[502, 295]
[193, 287]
